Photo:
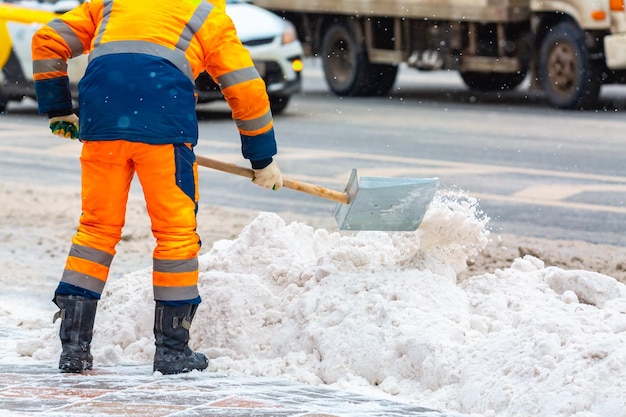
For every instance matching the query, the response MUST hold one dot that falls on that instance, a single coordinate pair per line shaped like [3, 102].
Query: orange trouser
[169, 176]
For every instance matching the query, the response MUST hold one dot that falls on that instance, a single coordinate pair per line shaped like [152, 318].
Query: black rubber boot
[77, 317]
[171, 333]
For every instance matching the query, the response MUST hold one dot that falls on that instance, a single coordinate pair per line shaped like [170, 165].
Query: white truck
[570, 48]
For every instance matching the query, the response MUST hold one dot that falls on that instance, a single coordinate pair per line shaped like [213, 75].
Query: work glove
[65, 126]
[268, 177]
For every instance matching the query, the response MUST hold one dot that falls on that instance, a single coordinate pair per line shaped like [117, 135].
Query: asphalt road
[536, 171]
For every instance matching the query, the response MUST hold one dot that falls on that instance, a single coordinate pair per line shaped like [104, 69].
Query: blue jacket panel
[140, 98]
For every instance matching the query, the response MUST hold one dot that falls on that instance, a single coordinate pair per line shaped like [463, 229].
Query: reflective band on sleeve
[83, 281]
[106, 14]
[175, 56]
[238, 76]
[68, 35]
[255, 124]
[173, 266]
[91, 254]
[193, 26]
[41, 66]
[175, 293]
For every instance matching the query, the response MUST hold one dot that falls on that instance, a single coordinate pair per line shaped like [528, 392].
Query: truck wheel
[490, 81]
[381, 78]
[568, 75]
[347, 68]
[4, 101]
[278, 103]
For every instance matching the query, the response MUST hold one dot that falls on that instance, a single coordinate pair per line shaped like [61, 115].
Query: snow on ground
[392, 313]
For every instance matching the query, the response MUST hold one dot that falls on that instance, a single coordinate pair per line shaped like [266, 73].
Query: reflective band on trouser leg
[87, 268]
[168, 176]
[175, 280]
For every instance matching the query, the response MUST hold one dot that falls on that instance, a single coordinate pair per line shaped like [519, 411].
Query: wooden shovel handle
[312, 189]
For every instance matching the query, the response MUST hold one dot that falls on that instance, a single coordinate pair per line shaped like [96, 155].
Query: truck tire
[278, 103]
[491, 81]
[569, 77]
[347, 68]
[3, 102]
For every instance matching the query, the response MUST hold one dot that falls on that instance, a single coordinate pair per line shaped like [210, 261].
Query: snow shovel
[368, 203]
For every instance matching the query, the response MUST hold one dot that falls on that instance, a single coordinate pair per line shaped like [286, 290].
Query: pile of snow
[384, 312]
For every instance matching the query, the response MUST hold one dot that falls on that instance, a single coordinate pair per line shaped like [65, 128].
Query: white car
[271, 40]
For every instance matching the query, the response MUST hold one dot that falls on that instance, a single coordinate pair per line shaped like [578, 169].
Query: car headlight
[289, 33]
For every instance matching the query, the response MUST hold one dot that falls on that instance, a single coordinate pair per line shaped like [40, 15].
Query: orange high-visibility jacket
[143, 59]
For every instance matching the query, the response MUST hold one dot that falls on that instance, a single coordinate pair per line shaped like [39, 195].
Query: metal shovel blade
[385, 204]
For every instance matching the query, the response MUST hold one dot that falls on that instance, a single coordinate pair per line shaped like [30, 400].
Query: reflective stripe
[175, 293]
[91, 254]
[255, 124]
[176, 56]
[68, 35]
[41, 66]
[193, 25]
[93, 269]
[106, 14]
[237, 76]
[173, 266]
[83, 281]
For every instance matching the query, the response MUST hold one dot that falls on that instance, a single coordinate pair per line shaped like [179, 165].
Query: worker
[137, 115]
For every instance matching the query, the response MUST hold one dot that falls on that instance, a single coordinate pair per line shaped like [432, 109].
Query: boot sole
[74, 366]
[168, 369]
